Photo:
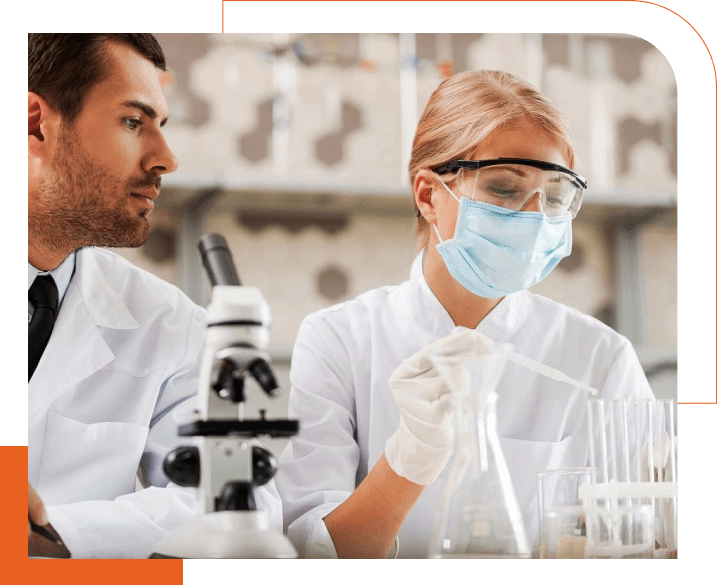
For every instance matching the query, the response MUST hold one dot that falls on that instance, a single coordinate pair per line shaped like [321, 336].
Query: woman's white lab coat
[345, 354]
[122, 359]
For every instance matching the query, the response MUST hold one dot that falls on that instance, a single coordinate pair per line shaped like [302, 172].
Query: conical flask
[478, 516]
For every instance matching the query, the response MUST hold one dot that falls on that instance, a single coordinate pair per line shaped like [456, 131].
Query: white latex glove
[422, 445]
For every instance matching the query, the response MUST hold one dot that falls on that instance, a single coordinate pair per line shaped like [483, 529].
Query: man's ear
[424, 186]
[42, 124]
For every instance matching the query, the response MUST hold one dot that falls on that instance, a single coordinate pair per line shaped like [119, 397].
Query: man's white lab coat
[122, 360]
[343, 358]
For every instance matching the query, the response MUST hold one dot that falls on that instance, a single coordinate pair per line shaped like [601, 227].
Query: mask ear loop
[440, 239]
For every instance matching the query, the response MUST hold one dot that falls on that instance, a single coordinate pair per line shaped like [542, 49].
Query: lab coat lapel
[428, 312]
[77, 348]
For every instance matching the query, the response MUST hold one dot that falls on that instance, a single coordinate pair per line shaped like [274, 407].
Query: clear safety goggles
[513, 182]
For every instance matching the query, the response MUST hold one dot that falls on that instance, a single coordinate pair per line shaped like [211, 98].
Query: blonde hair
[467, 108]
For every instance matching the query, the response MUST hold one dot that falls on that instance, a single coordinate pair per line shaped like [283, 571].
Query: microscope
[226, 462]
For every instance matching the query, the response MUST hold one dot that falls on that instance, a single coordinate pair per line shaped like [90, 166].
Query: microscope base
[226, 535]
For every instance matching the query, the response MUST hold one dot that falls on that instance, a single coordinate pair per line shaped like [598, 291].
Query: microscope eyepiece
[217, 260]
[262, 373]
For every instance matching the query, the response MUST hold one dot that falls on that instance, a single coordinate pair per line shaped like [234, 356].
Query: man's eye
[132, 123]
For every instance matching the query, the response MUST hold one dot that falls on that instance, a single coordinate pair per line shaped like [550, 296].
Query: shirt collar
[61, 275]
[432, 315]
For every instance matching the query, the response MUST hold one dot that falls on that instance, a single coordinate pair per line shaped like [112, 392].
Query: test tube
[622, 439]
[598, 440]
[667, 410]
[611, 442]
[651, 444]
[667, 471]
[640, 433]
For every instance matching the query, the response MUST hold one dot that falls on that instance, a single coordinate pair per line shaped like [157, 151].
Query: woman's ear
[424, 186]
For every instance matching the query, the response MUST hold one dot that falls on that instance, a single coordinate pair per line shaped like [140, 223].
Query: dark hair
[63, 67]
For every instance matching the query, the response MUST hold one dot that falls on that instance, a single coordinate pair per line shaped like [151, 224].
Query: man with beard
[113, 351]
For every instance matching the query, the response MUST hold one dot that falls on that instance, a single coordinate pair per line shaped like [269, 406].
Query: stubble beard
[80, 203]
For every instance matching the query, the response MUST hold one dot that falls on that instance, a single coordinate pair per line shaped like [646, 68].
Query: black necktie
[43, 296]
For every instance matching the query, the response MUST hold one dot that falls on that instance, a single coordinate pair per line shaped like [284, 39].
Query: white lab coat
[343, 358]
[121, 362]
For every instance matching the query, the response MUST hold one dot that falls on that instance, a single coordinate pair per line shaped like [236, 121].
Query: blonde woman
[368, 466]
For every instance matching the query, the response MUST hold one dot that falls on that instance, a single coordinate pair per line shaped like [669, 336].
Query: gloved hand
[422, 445]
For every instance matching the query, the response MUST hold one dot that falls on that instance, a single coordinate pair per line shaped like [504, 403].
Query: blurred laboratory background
[295, 147]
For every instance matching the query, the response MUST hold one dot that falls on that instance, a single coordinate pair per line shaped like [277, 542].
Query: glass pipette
[550, 372]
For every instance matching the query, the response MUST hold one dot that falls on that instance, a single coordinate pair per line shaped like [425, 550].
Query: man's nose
[161, 159]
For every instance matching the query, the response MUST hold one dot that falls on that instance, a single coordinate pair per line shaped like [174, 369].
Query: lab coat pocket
[104, 456]
[524, 458]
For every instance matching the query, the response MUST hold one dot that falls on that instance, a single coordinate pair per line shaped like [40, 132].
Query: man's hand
[44, 542]
[35, 509]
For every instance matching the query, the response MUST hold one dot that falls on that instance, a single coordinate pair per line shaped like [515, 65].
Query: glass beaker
[479, 516]
[558, 490]
[563, 533]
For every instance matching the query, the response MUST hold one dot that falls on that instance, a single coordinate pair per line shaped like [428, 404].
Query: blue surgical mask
[497, 251]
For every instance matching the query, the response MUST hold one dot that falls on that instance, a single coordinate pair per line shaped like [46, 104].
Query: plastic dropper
[550, 372]
[482, 344]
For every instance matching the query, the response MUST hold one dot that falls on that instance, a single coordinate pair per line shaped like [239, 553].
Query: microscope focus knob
[182, 466]
[263, 464]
